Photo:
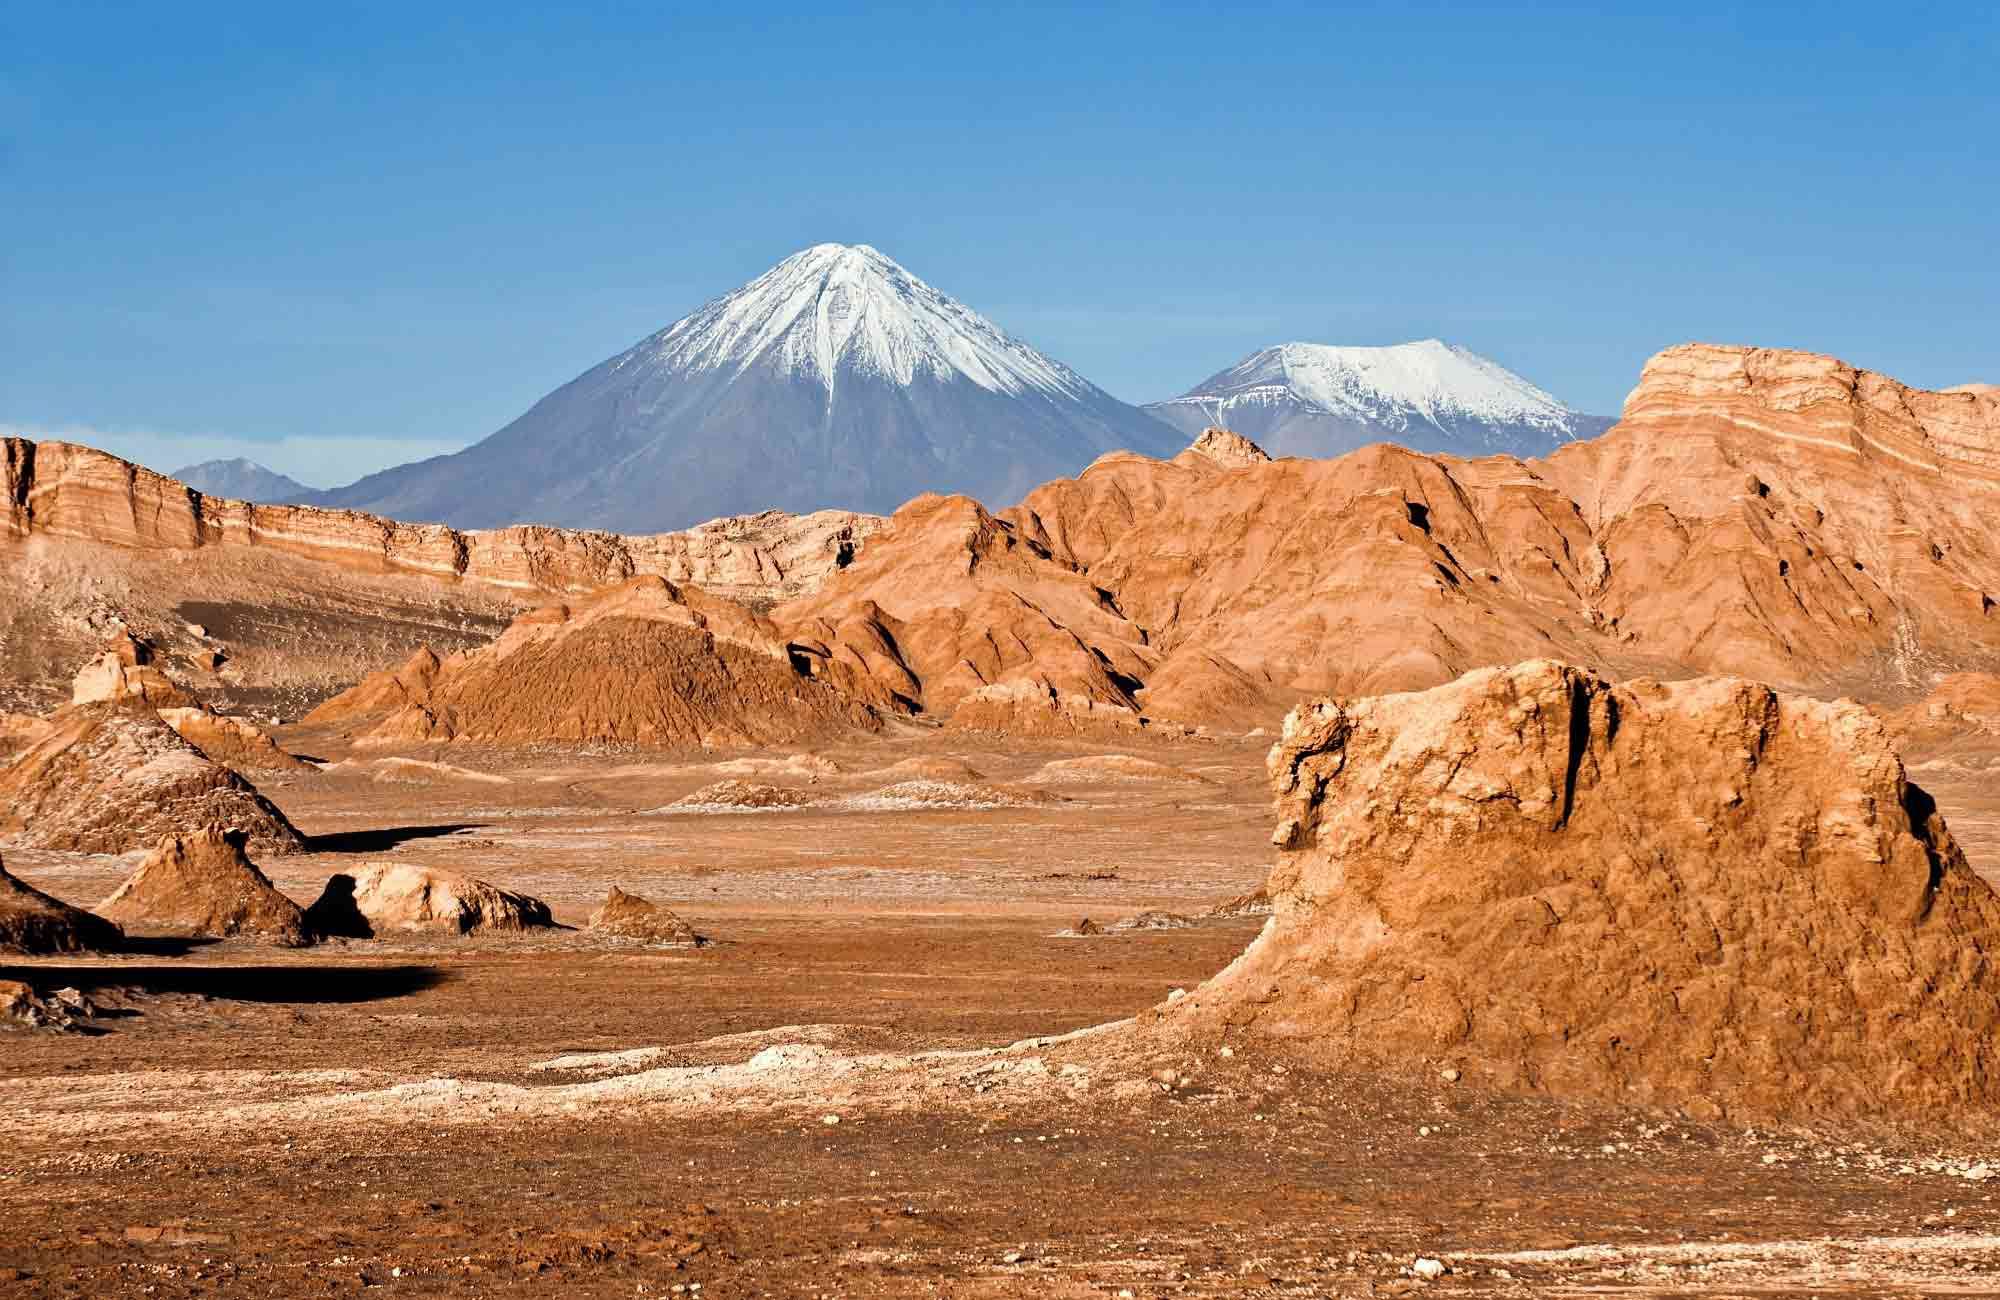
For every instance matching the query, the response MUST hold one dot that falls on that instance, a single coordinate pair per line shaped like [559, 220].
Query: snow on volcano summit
[1313, 399]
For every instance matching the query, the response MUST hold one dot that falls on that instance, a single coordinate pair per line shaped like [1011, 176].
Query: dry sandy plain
[882, 1076]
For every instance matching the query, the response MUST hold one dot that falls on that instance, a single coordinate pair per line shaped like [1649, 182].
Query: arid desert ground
[1216, 876]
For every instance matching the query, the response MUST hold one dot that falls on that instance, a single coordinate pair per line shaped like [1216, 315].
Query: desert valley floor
[875, 1079]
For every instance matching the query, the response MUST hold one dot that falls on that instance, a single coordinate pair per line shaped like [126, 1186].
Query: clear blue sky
[342, 235]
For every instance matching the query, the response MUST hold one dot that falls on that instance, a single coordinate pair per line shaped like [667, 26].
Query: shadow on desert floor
[382, 839]
[281, 984]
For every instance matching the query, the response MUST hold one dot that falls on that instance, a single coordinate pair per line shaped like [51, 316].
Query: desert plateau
[1213, 875]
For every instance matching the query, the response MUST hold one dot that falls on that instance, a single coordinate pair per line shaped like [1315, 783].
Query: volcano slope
[1703, 894]
[1774, 514]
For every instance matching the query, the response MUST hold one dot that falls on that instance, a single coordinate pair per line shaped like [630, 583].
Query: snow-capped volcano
[837, 307]
[1311, 399]
[835, 379]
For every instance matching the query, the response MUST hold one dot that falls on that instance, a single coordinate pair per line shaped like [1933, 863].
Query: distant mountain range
[839, 379]
[1309, 399]
[241, 480]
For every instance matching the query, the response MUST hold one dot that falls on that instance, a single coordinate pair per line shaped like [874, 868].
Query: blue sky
[335, 237]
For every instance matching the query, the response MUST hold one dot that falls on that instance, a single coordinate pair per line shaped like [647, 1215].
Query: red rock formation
[631, 917]
[1777, 514]
[59, 489]
[1703, 893]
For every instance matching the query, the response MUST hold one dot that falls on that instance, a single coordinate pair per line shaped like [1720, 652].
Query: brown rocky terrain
[274, 608]
[645, 662]
[57, 489]
[1771, 513]
[896, 1074]
[111, 777]
[1702, 893]
[33, 922]
[202, 885]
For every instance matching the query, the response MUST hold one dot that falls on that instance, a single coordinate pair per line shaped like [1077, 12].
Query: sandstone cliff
[56, 489]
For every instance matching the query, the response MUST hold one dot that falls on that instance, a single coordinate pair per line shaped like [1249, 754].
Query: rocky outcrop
[110, 677]
[111, 777]
[202, 884]
[645, 662]
[232, 742]
[1226, 448]
[58, 489]
[1705, 894]
[379, 899]
[629, 916]
[34, 923]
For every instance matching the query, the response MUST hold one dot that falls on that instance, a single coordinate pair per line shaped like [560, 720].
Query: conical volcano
[836, 379]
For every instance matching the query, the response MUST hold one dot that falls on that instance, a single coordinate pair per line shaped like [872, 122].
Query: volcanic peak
[837, 308]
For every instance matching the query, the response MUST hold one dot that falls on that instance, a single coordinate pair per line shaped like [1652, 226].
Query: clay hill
[646, 662]
[111, 776]
[203, 884]
[34, 923]
[1699, 893]
[1776, 514]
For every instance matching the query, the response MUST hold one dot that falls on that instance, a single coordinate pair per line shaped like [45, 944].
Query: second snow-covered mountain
[1309, 399]
[835, 379]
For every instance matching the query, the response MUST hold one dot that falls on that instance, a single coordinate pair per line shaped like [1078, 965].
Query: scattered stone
[65, 1009]
[1430, 1270]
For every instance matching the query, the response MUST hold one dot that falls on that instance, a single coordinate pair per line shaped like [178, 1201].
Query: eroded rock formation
[631, 917]
[1775, 514]
[202, 884]
[644, 662]
[378, 899]
[1703, 893]
[35, 923]
[111, 777]
[58, 489]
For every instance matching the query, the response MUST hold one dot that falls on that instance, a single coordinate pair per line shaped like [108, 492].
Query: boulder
[401, 896]
[34, 923]
[111, 777]
[111, 677]
[202, 884]
[1704, 894]
[632, 917]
